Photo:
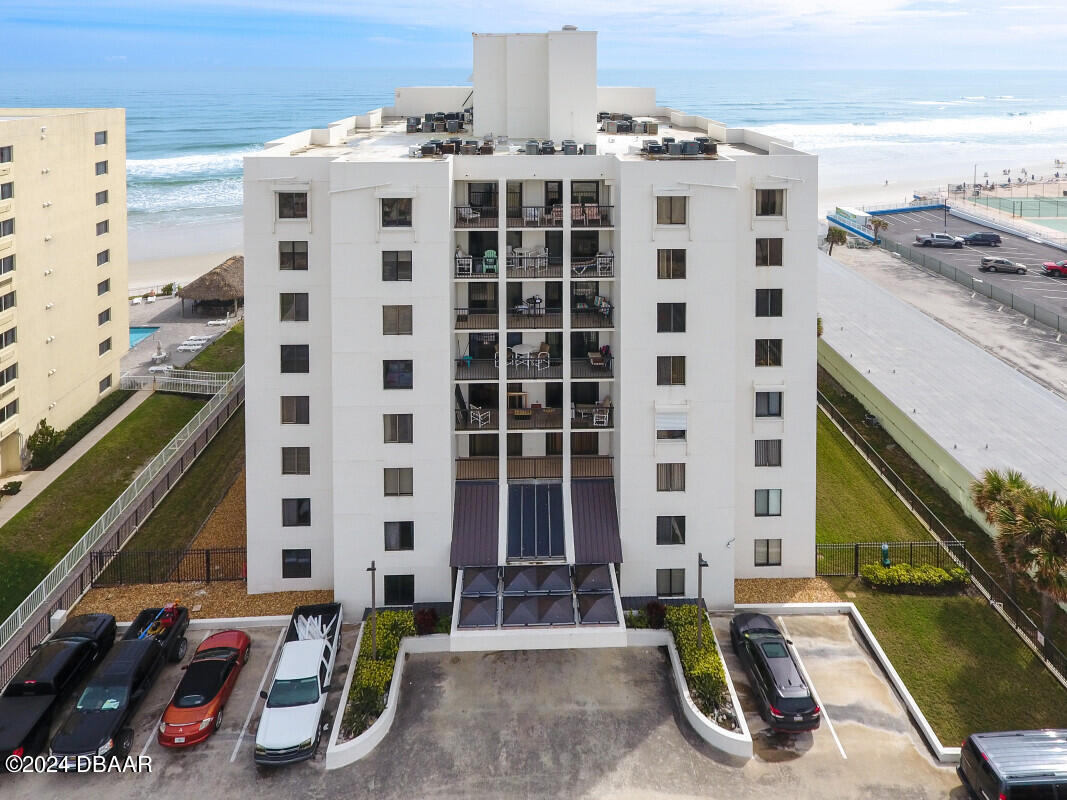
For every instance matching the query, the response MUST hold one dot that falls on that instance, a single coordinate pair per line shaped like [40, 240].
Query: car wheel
[218, 720]
[958, 245]
[180, 649]
[124, 744]
[992, 268]
[248, 653]
[1020, 271]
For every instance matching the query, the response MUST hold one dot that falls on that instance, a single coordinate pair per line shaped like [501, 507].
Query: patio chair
[489, 262]
[601, 416]
[480, 416]
[539, 259]
[605, 264]
[464, 265]
[531, 217]
[557, 215]
[544, 360]
[467, 214]
[592, 214]
[577, 217]
[580, 267]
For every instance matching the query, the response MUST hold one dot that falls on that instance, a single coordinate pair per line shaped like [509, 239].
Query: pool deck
[166, 314]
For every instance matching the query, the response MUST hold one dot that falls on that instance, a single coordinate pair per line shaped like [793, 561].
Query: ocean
[188, 131]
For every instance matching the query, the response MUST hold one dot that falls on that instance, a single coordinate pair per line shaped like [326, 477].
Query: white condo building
[532, 321]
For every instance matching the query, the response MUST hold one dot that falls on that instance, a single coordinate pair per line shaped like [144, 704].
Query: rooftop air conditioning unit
[532, 148]
[570, 147]
[674, 148]
[589, 149]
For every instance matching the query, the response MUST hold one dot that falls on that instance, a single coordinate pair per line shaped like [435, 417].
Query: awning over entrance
[596, 522]
[474, 524]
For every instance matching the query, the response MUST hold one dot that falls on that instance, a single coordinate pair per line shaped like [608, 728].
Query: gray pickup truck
[938, 240]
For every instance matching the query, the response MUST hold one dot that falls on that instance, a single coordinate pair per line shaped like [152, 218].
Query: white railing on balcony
[178, 380]
[39, 596]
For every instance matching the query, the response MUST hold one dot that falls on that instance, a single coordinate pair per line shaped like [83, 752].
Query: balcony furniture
[538, 259]
[592, 214]
[582, 411]
[601, 416]
[576, 214]
[464, 265]
[489, 263]
[519, 399]
[544, 360]
[480, 416]
[596, 358]
[522, 413]
[524, 354]
[581, 266]
[535, 306]
[557, 215]
[605, 264]
[467, 214]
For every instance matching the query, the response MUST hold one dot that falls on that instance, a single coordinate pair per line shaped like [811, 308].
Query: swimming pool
[140, 334]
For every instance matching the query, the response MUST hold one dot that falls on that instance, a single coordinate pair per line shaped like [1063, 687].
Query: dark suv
[1015, 765]
[983, 238]
[785, 701]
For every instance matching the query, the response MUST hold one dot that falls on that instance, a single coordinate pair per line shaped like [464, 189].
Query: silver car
[997, 264]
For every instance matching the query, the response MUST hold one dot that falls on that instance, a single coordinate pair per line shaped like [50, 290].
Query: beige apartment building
[64, 316]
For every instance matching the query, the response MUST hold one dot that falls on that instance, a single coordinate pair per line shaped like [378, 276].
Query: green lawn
[225, 354]
[963, 664]
[852, 503]
[38, 536]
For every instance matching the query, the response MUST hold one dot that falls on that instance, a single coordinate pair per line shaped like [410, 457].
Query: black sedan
[785, 702]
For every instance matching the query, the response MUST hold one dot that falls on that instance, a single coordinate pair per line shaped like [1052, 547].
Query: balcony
[476, 369]
[477, 468]
[535, 217]
[535, 419]
[476, 319]
[587, 416]
[529, 265]
[593, 367]
[591, 466]
[476, 267]
[590, 215]
[535, 467]
[476, 419]
[477, 217]
[534, 368]
[602, 265]
[592, 311]
[535, 317]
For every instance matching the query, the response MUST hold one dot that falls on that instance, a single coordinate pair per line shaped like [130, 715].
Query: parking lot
[1049, 293]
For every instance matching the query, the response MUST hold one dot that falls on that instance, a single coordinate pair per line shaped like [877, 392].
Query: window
[396, 320]
[768, 302]
[768, 452]
[103, 317]
[7, 227]
[400, 535]
[670, 582]
[294, 306]
[396, 265]
[7, 190]
[396, 212]
[296, 409]
[397, 374]
[105, 346]
[7, 264]
[8, 411]
[296, 512]
[768, 502]
[103, 287]
[398, 481]
[9, 374]
[7, 301]
[296, 563]
[293, 255]
[768, 352]
[399, 590]
[671, 424]
[296, 358]
[105, 384]
[100, 137]
[670, 317]
[103, 257]
[670, 530]
[398, 428]
[296, 461]
[670, 477]
[670, 370]
[670, 264]
[770, 202]
[292, 205]
[768, 404]
[768, 552]
[101, 168]
[8, 337]
[768, 252]
[6, 154]
[670, 210]
[102, 227]
[102, 197]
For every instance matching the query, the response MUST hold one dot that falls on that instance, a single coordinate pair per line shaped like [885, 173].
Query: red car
[1055, 268]
[195, 712]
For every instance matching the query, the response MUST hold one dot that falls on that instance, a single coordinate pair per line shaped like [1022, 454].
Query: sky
[643, 34]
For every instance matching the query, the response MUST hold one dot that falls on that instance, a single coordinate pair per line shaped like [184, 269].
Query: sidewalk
[33, 483]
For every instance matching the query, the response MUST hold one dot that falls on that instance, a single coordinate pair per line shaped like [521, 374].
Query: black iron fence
[953, 548]
[840, 560]
[125, 567]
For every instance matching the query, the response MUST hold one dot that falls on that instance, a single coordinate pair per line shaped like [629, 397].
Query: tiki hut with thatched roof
[218, 291]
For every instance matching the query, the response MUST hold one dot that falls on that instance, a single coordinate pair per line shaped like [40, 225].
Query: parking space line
[255, 699]
[811, 688]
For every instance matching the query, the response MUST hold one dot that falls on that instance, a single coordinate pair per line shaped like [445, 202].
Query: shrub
[167, 289]
[444, 625]
[909, 579]
[655, 612]
[636, 619]
[43, 445]
[370, 684]
[11, 487]
[703, 668]
[46, 444]
[425, 621]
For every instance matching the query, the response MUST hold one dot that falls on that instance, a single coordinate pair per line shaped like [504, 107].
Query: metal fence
[183, 381]
[71, 577]
[932, 262]
[126, 567]
[841, 560]
[999, 598]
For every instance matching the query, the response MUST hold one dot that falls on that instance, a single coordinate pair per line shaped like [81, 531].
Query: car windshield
[294, 692]
[774, 650]
[795, 705]
[201, 682]
[103, 698]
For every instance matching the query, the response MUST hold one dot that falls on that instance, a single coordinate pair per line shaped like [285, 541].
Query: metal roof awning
[596, 522]
[474, 524]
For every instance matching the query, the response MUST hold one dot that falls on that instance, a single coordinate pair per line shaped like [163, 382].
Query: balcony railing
[536, 217]
[476, 319]
[477, 217]
[477, 468]
[482, 468]
[476, 267]
[476, 369]
[524, 369]
[591, 466]
[535, 318]
[589, 215]
[532, 267]
[590, 369]
[535, 467]
[601, 265]
[585, 315]
[477, 419]
[535, 419]
[592, 415]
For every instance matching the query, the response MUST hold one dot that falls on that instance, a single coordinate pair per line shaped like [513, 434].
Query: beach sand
[180, 253]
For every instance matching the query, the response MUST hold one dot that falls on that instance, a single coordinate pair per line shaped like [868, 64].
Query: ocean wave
[217, 193]
[186, 166]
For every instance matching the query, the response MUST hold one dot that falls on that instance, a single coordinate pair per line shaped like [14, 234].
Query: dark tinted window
[768, 302]
[399, 590]
[396, 212]
[397, 374]
[296, 563]
[396, 265]
[1042, 791]
[292, 205]
[296, 511]
[293, 255]
[295, 358]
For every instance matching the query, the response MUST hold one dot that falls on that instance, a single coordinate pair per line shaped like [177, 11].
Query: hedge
[910, 579]
[55, 443]
[703, 668]
[370, 684]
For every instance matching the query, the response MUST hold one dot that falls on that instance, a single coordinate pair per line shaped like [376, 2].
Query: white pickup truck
[293, 718]
[938, 240]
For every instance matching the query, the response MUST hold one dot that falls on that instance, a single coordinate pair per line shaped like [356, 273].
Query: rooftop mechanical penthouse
[530, 323]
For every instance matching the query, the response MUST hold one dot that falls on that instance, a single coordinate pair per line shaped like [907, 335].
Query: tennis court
[1051, 211]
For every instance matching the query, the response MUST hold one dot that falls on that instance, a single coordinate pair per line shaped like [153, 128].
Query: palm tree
[1042, 527]
[996, 488]
[834, 236]
[878, 225]
[997, 495]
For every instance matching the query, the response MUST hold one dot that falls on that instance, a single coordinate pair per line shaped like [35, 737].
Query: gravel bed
[784, 590]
